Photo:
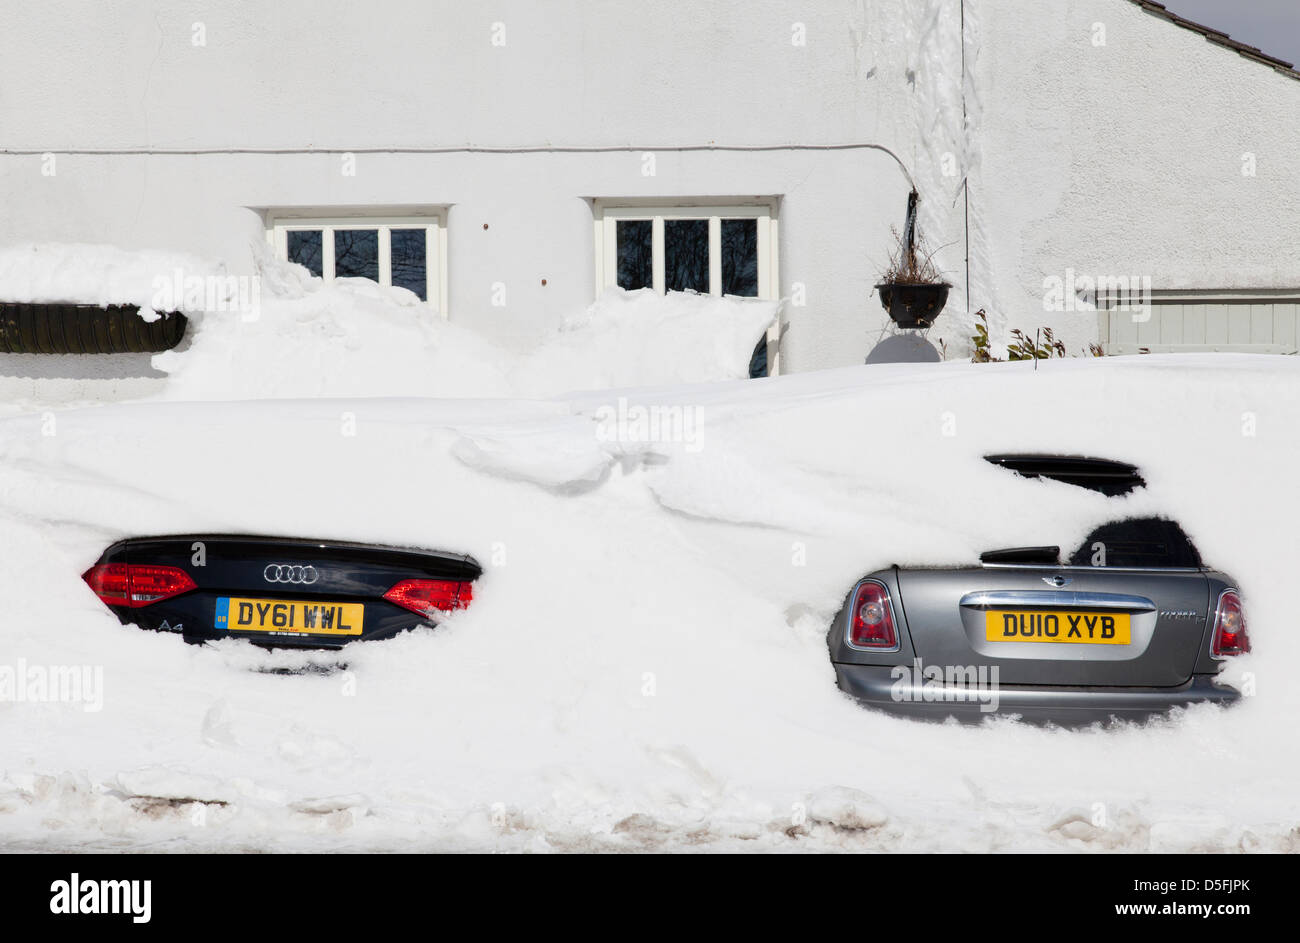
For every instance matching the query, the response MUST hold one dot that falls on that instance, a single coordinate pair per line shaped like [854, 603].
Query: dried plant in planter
[911, 265]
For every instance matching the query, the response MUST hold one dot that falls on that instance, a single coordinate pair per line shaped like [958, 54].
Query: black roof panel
[1096, 474]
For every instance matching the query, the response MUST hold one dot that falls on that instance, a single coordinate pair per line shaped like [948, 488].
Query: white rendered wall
[300, 75]
[1054, 183]
[1127, 158]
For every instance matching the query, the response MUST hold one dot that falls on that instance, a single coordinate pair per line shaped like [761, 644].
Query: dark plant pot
[28, 328]
[913, 306]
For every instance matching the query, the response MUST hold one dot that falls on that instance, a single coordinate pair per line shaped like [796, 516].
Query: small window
[356, 254]
[304, 247]
[711, 249]
[686, 255]
[404, 251]
[635, 255]
[740, 257]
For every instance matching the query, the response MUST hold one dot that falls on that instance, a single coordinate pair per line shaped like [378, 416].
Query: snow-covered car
[277, 592]
[1130, 625]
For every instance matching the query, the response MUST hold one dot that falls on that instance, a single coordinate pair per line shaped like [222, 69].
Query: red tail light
[136, 584]
[429, 596]
[1229, 626]
[871, 619]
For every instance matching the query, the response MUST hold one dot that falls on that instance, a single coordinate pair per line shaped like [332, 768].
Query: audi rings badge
[289, 573]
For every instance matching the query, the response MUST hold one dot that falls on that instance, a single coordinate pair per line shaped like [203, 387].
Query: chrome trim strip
[1047, 599]
[1095, 569]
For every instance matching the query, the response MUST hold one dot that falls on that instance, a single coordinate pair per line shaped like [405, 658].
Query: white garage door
[1265, 322]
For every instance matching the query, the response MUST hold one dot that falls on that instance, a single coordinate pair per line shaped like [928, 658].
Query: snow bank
[356, 338]
[639, 338]
[284, 334]
[644, 665]
[352, 338]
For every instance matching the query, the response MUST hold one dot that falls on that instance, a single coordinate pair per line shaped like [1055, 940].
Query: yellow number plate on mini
[1039, 625]
[289, 617]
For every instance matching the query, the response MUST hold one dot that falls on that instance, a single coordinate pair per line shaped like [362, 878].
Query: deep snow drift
[644, 665]
[285, 334]
[355, 338]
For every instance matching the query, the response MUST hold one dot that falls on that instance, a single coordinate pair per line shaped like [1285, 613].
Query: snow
[644, 665]
[84, 273]
[356, 338]
[283, 334]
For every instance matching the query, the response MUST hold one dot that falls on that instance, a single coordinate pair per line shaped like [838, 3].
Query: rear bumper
[882, 688]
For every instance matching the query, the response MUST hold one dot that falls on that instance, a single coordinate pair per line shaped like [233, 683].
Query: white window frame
[434, 223]
[608, 213]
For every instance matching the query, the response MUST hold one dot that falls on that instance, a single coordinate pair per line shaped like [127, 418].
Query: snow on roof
[83, 273]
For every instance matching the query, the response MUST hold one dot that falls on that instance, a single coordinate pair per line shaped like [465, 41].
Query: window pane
[740, 257]
[356, 253]
[304, 247]
[410, 260]
[686, 255]
[635, 261]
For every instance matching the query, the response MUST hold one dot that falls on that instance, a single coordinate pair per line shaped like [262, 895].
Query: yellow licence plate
[1038, 625]
[289, 617]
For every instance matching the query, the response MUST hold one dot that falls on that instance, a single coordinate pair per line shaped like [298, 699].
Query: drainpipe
[965, 183]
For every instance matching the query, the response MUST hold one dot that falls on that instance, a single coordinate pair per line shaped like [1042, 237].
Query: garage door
[1265, 322]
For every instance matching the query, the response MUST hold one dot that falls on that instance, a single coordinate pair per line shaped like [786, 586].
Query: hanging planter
[913, 306]
[30, 328]
[912, 290]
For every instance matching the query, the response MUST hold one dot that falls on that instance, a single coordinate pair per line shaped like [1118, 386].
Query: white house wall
[1054, 184]
[1127, 158]
[299, 75]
